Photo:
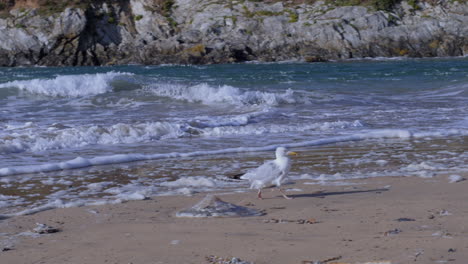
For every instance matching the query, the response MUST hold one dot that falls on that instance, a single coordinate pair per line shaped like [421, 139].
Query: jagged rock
[212, 206]
[45, 229]
[70, 23]
[314, 59]
[154, 32]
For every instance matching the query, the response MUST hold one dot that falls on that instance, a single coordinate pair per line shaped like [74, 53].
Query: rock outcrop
[223, 31]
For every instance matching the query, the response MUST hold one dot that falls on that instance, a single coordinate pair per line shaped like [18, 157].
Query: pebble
[392, 232]
[220, 260]
[323, 261]
[405, 219]
[299, 221]
[45, 229]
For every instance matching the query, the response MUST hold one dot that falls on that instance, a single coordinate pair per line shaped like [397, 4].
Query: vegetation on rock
[138, 17]
[221, 31]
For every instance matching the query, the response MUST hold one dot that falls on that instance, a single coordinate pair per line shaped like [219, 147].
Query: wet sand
[387, 219]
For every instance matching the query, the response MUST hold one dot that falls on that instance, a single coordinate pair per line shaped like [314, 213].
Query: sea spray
[68, 85]
[207, 94]
[80, 162]
[32, 138]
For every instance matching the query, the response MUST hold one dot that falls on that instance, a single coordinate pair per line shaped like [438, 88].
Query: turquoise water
[63, 118]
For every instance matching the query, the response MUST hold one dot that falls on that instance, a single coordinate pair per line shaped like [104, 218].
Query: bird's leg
[259, 195]
[284, 195]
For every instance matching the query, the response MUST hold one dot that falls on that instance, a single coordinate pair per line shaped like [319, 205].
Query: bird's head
[282, 152]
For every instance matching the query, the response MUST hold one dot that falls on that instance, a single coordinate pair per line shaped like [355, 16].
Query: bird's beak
[290, 153]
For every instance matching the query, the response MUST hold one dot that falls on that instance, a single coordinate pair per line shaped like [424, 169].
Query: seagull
[272, 172]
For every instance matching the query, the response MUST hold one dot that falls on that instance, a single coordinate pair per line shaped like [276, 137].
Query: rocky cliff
[41, 32]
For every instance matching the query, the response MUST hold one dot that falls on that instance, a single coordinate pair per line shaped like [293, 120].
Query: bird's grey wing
[268, 170]
[278, 180]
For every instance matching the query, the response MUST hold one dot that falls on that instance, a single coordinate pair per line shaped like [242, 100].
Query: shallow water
[74, 136]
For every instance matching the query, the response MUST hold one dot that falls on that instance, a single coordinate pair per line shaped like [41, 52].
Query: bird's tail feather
[246, 176]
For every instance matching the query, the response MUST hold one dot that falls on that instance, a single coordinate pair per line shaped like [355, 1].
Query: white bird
[272, 172]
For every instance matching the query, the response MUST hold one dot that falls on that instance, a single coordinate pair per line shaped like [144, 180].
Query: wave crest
[89, 135]
[61, 137]
[206, 94]
[68, 85]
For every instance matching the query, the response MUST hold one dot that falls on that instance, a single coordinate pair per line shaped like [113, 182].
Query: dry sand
[357, 222]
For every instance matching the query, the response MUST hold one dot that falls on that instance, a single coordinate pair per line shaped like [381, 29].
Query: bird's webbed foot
[284, 195]
[259, 195]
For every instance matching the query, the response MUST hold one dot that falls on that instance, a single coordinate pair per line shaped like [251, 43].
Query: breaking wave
[28, 137]
[57, 138]
[68, 85]
[81, 162]
[206, 94]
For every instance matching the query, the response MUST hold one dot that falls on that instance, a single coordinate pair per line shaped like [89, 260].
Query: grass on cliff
[386, 5]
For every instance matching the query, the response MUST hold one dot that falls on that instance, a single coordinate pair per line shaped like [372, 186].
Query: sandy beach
[381, 220]
[97, 164]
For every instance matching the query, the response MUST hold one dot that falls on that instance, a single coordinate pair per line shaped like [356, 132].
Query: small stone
[451, 250]
[45, 229]
[278, 207]
[444, 212]
[431, 216]
[312, 221]
[404, 219]
[220, 260]
[392, 232]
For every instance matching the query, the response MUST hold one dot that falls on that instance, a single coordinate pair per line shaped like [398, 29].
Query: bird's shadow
[324, 194]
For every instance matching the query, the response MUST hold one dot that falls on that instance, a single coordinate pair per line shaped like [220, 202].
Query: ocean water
[96, 135]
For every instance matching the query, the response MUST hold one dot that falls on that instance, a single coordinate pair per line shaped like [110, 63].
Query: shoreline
[357, 221]
[254, 62]
[123, 182]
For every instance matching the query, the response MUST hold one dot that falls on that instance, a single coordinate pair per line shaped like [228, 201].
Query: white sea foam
[455, 178]
[48, 206]
[460, 90]
[56, 200]
[227, 120]
[10, 200]
[97, 186]
[256, 129]
[424, 169]
[414, 167]
[81, 162]
[442, 133]
[206, 94]
[68, 85]
[195, 181]
[55, 137]
[120, 158]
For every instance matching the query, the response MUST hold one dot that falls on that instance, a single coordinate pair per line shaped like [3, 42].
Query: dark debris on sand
[220, 260]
